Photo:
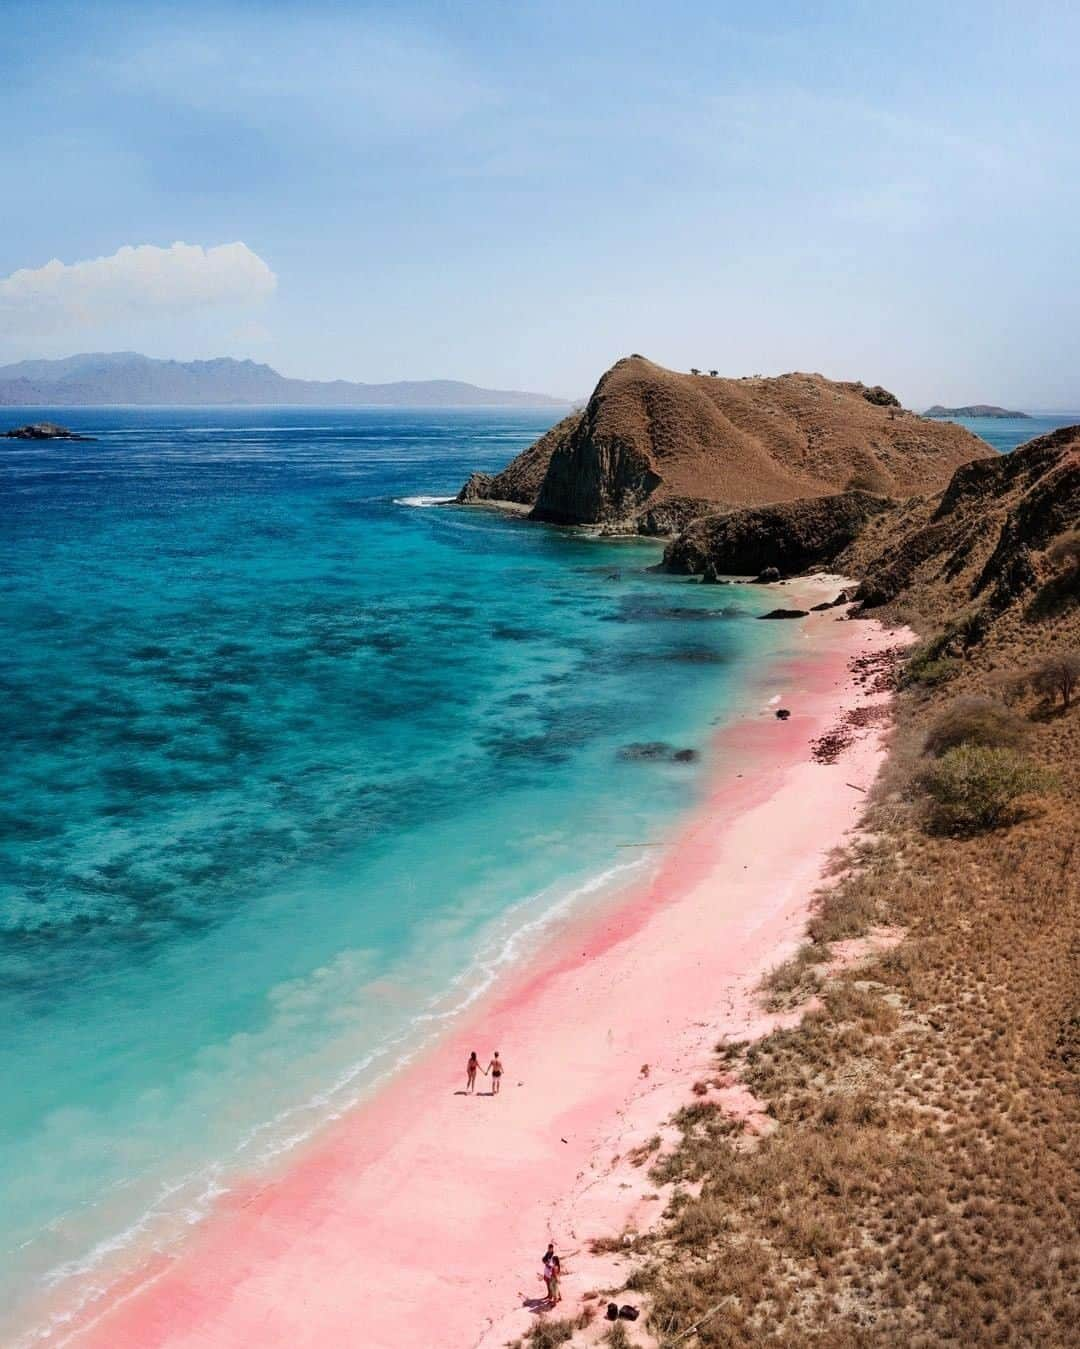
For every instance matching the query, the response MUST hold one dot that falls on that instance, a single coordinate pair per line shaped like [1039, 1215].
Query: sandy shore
[419, 1219]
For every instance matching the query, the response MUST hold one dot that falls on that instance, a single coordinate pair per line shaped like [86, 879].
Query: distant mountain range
[126, 377]
[973, 410]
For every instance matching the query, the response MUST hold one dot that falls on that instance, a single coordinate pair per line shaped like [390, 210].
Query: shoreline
[335, 1241]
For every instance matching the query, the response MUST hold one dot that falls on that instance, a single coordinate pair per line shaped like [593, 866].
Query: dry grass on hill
[654, 448]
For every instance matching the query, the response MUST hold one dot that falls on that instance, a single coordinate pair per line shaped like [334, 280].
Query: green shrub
[975, 787]
[923, 668]
[976, 721]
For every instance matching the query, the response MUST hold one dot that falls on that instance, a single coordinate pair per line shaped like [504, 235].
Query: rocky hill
[653, 449]
[980, 546]
[981, 543]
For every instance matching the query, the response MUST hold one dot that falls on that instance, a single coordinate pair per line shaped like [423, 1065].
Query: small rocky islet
[44, 431]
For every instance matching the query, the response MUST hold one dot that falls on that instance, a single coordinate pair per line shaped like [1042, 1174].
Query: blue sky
[518, 194]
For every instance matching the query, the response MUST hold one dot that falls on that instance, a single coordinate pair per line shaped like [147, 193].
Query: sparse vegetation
[976, 720]
[616, 1337]
[976, 787]
[1064, 552]
[929, 664]
[869, 480]
[1058, 676]
[547, 1334]
[793, 981]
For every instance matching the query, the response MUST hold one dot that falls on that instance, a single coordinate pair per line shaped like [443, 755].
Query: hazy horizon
[516, 197]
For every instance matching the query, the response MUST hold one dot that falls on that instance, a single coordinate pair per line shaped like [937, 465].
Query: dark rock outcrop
[655, 449]
[880, 397]
[785, 613]
[44, 431]
[789, 537]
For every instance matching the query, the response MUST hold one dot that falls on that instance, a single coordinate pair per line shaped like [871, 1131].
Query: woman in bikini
[470, 1072]
[495, 1068]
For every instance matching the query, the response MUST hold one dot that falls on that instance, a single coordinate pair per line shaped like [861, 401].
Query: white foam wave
[423, 502]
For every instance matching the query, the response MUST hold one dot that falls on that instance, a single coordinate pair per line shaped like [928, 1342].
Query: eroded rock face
[772, 539]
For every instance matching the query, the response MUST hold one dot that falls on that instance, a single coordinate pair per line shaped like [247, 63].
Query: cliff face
[654, 448]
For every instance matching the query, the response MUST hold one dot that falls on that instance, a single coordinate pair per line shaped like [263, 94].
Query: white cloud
[137, 281]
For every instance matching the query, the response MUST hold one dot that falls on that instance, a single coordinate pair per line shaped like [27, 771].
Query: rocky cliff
[653, 448]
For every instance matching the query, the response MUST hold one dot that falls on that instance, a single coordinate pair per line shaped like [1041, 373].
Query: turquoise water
[1005, 433]
[294, 762]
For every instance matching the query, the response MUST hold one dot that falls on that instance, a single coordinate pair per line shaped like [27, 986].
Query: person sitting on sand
[495, 1068]
[470, 1072]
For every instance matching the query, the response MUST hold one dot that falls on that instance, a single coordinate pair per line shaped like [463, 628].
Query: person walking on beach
[495, 1068]
[470, 1072]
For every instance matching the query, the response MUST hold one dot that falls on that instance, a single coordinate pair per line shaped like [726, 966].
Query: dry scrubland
[920, 1183]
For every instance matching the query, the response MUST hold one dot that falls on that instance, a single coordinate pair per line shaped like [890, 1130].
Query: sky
[517, 194]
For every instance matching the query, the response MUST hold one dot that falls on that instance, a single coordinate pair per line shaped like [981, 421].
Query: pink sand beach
[420, 1218]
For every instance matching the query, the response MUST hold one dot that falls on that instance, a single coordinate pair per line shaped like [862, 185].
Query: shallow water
[294, 761]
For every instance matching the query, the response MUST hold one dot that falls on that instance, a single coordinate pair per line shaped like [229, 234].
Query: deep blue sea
[294, 761]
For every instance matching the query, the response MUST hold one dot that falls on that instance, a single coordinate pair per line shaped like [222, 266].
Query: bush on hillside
[976, 721]
[974, 787]
[869, 479]
[1009, 685]
[1064, 552]
[1058, 676]
[928, 665]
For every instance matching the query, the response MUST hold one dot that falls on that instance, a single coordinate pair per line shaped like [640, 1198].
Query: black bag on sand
[629, 1313]
[612, 1311]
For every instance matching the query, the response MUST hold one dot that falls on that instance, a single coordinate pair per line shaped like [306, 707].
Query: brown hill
[983, 541]
[654, 449]
[988, 543]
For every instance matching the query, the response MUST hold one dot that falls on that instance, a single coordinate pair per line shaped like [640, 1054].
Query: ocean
[296, 760]
[1005, 433]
